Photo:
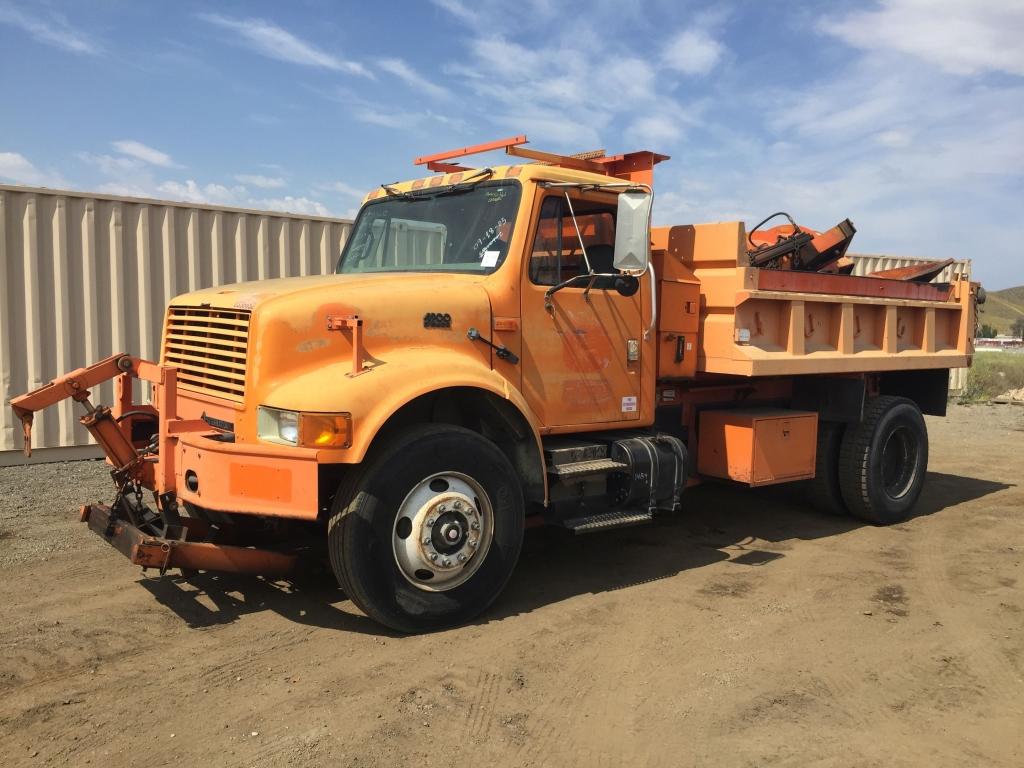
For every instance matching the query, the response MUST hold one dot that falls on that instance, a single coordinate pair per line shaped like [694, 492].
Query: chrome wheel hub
[443, 531]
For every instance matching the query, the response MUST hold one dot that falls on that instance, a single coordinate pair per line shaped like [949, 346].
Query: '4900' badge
[437, 320]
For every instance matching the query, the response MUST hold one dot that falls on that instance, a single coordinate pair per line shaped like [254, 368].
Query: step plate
[606, 520]
[583, 468]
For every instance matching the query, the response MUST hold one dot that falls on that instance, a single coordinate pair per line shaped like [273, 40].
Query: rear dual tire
[822, 491]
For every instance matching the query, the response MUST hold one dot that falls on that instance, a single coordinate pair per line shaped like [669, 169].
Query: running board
[607, 520]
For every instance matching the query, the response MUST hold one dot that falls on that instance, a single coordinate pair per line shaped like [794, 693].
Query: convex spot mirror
[626, 285]
[633, 231]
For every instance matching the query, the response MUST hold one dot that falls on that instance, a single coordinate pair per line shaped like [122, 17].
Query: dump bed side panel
[763, 322]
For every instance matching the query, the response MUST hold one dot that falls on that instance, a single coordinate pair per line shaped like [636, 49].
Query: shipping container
[83, 276]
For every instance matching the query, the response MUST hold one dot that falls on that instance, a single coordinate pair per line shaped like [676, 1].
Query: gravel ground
[35, 507]
[746, 631]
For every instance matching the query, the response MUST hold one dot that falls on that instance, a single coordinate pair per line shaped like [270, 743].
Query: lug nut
[462, 558]
[475, 526]
[442, 508]
[446, 561]
[472, 542]
[433, 556]
[431, 521]
[426, 539]
[458, 506]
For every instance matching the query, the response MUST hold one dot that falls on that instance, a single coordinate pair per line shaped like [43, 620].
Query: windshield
[452, 229]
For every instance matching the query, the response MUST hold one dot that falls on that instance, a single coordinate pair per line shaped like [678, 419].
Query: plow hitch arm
[76, 386]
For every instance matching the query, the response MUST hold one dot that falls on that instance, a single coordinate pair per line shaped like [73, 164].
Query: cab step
[576, 469]
[607, 520]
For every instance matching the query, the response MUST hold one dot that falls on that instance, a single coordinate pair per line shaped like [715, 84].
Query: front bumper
[258, 479]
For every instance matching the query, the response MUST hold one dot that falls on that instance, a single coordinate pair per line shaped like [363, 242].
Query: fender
[374, 396]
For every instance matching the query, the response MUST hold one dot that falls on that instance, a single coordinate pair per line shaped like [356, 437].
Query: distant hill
[1002, 308]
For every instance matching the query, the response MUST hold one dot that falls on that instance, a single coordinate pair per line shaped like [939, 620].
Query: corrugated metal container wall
[865, 264]
[85, 276]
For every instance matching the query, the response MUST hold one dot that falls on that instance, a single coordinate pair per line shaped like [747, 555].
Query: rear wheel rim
[899, 462]
[443, 531]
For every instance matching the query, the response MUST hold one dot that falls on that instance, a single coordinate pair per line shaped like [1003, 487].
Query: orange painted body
[356, 347]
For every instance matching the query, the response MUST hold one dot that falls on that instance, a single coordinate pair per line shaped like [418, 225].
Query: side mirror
[633, 231]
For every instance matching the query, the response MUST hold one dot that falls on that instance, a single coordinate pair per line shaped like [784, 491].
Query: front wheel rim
[443, 531]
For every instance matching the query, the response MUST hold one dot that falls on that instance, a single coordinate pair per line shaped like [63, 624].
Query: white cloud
[459, 10]
[343, 188]
[238, 196]
[140, 151]
[110, 165]
[374, 116]
[411, 77]
[272, 41]
[126, 189]
[263, 182]
[567, 92]
[385, 116]
[192, 192]
[693, 52]
[962, 37]
[894, 138]
[18, 169]
[288, 204]
[54, 30]
[654, 130]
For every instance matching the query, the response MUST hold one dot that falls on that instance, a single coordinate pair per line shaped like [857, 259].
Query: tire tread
[823, 491]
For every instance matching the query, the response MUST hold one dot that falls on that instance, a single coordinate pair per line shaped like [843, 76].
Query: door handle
[680, 348]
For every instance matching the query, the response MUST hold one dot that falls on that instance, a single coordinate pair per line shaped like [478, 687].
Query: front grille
[208, 347]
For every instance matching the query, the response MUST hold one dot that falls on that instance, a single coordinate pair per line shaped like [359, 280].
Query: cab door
[582, 352]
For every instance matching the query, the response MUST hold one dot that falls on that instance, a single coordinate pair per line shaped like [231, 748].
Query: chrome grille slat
[208, 346]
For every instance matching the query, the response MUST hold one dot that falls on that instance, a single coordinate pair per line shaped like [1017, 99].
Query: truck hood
[248, 295]
[288, 328]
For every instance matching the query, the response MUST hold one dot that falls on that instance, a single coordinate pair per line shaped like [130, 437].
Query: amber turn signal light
[325, 430]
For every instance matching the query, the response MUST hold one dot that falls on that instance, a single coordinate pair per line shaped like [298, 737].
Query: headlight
[312, 430]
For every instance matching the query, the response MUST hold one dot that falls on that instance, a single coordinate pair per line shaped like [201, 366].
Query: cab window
[556, 255]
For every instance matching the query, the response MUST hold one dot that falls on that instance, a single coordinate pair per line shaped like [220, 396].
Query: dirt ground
[747, 631]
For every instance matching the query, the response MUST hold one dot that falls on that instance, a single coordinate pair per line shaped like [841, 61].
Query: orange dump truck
[508, 346]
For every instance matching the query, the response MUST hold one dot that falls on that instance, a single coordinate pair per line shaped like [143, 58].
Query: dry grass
[992, 374]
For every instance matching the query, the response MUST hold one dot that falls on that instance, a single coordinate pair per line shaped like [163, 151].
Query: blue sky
[906, 116]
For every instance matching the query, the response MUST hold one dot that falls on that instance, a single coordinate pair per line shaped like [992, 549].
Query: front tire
[883, 461]
[430, 533]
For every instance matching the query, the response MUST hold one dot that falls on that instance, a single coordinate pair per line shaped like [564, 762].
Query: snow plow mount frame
[162, 538]
[161, 552]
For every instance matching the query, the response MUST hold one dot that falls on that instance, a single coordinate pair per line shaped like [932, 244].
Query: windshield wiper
[457, 189]
[392, 192]
[468, 184]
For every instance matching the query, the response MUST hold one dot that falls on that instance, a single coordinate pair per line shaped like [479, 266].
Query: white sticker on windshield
[490, 258]
[629, 404]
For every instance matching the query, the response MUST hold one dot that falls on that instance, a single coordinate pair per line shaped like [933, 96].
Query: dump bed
[771, 322]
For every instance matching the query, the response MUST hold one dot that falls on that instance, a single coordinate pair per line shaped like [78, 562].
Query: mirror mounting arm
[654, 302]
[591, 277]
